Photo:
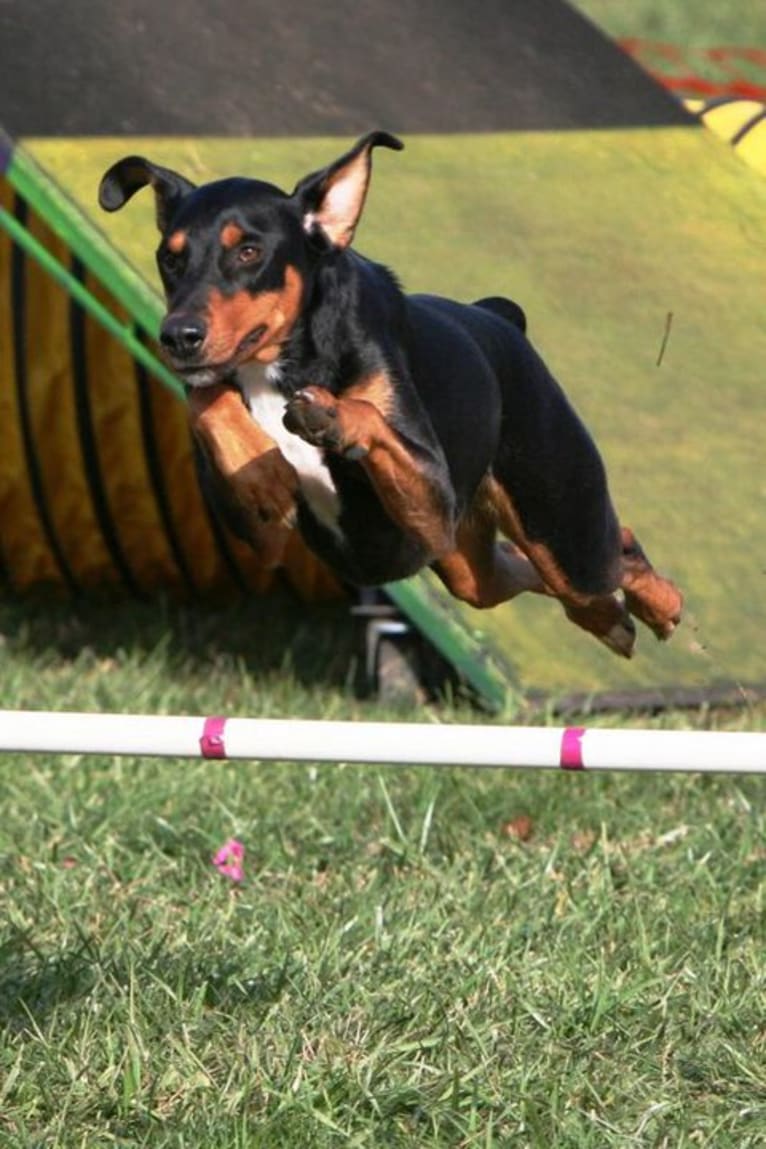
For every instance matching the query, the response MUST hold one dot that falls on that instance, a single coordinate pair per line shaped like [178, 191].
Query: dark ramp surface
[301, 68]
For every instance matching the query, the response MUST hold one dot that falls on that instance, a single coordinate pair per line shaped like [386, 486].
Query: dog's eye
[248, 253]
[170, 261]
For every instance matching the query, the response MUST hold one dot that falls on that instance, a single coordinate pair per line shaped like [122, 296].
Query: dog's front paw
[317, 417]
[312, 414]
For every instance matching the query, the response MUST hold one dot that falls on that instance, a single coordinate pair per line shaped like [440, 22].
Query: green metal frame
[64, 217]
[122, 332]
[415, 598]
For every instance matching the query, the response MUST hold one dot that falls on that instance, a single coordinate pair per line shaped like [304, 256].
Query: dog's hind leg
[599, 611]
[655, 600]
[482, 570]
[485, 572]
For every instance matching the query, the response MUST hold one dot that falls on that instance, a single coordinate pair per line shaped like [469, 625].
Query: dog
[397, 431]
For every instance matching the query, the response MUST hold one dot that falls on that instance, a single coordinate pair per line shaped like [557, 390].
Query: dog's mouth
[252, 341]
[205, 374]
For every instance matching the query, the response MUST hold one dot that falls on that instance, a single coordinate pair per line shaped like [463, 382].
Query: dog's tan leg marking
[254, 473]
[655, 600]
[354, 424]
[602, 615]
[483, 571]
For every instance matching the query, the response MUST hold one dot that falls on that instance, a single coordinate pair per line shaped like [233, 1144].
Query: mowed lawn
[416, 957]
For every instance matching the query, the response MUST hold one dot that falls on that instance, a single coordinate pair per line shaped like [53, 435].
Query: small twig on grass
[665, 337]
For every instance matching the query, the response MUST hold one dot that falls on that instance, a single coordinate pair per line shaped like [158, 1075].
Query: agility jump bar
[384, 743]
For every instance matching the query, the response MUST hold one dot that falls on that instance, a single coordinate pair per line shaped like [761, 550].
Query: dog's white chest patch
[267, 407]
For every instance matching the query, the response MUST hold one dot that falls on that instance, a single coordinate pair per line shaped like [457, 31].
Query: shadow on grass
[316, 643]
[35, 984]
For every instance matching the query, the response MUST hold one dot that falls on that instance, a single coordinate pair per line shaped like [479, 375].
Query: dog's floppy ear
[132, 173]
[334, 197]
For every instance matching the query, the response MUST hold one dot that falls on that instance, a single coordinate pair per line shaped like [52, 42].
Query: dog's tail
[506, 309]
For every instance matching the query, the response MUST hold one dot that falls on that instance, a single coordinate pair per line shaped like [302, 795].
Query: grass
[704, 24]
[694, 28]
[418, 957]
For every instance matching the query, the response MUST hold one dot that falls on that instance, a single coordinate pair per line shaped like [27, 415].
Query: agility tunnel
[541, 162]
[742, 122]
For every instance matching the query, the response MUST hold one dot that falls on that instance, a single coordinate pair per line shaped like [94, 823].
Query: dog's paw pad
[303, 412]
[314, 419]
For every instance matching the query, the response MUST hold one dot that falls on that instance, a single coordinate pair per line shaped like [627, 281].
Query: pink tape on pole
[571, 748]
[212, 744]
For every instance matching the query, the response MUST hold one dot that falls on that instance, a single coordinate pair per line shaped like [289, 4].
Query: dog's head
[235, 255]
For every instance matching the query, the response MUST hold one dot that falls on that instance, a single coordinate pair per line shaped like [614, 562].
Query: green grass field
[416, 957]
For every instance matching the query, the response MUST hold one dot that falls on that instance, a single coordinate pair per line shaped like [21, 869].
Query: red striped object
[740, 71]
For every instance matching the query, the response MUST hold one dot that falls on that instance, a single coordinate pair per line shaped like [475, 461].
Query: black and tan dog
[398, 431]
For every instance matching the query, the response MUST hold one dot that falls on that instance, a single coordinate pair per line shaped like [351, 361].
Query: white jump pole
[386, 743]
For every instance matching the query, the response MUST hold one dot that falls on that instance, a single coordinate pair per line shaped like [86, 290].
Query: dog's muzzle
[182, 337]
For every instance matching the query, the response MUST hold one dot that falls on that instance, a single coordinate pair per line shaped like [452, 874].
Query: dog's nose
[182, 335]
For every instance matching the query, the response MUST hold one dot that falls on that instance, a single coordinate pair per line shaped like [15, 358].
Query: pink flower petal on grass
[229, 860]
